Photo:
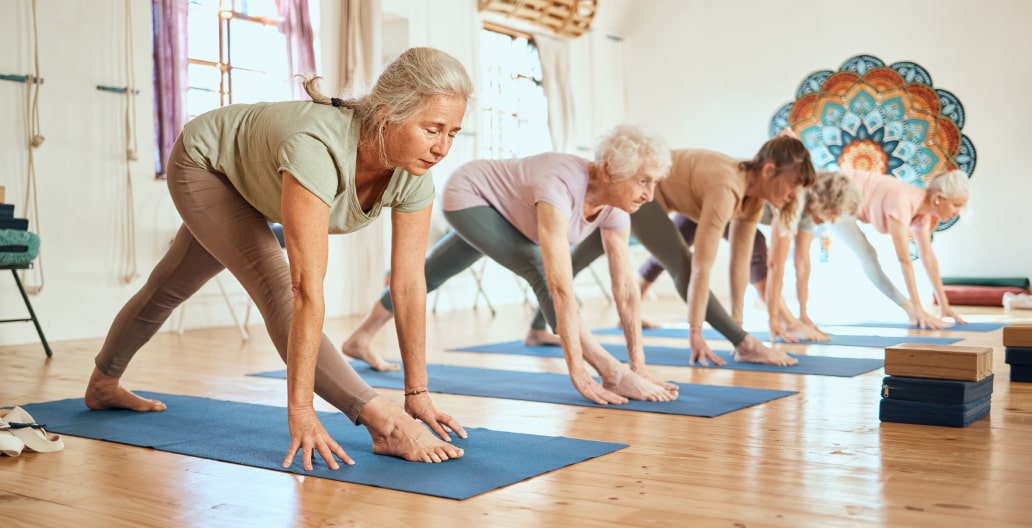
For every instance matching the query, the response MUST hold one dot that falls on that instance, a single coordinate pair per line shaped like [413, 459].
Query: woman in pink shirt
[525, 214]
[898, 209]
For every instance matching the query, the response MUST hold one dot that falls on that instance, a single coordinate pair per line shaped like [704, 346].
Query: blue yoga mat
[970, 327]
[680, 357]
[871, 341]
[257, 436]
[694, 399]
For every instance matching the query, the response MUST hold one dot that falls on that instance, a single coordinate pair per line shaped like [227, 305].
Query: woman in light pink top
[525, 214]
[899, 209]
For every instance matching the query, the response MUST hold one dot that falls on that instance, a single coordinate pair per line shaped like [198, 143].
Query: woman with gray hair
[900, 209]
[317, 167]
[525, 214]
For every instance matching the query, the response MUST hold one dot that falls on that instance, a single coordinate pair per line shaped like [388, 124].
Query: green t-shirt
[253, 143]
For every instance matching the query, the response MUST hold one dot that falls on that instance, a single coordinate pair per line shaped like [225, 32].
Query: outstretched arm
[555, 256]
[923, 238]
[408, 293]
[900, 243]
[709, 232]
[779, 243]
[305, 227]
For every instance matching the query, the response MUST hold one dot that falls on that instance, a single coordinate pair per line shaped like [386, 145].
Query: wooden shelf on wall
[566, 18]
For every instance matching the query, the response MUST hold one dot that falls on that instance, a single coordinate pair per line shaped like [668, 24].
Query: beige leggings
[221, 230]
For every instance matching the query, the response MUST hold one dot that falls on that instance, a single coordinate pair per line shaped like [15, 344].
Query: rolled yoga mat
[257, 435]
[1012, 282]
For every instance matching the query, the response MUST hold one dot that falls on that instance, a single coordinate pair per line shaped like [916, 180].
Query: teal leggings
[654, 229]
[476, 232]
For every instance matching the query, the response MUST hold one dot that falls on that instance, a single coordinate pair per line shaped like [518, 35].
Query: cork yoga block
[1017, 335]
[956, 362]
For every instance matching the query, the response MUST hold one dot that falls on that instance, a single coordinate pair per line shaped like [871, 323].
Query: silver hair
[625, 148]
[401, 91]
[950, 184]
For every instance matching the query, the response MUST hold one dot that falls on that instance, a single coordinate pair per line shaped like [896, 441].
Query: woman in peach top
[893, 206]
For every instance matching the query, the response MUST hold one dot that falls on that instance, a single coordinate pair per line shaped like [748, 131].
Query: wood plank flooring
[819, 458]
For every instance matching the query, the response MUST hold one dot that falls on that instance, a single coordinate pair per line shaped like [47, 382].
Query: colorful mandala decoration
[872, 117]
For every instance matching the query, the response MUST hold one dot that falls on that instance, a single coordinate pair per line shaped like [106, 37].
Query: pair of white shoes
[18, 431]
[1017, 300]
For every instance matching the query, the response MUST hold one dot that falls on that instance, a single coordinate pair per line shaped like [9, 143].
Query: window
[513, 111]
[237, 54]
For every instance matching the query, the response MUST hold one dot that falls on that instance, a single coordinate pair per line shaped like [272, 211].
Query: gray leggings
[221, 230]
[850, 233]
[654, 229]
[479, 231]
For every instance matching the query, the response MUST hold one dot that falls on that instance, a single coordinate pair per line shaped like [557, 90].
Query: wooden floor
[819, 458]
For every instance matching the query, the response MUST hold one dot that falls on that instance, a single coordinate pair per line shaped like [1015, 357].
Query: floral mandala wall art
[872, 117]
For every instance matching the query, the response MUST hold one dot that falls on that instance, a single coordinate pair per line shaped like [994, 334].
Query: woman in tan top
[717, 192]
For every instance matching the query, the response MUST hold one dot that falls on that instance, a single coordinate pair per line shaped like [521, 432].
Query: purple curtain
[296, 25]
[170, 83]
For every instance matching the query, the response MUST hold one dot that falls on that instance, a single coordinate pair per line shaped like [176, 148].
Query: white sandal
[10, 445]
[34, 436]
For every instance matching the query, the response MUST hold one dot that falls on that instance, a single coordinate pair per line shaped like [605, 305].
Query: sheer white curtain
[555, 81]
[361, 57]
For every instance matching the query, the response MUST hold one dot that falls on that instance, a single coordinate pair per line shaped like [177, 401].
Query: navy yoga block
[936, 390]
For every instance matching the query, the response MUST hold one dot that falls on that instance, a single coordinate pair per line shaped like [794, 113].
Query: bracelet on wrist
[415, 392]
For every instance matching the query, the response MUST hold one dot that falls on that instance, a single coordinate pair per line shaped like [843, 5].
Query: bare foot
[105, 392]
[630, 385]
[354, 348]
[649, 324]
[751, 350]
[541, 338]
[395, 433]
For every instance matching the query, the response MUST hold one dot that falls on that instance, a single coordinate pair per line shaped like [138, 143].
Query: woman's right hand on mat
[308, 434]
[925, 320]
[779, 331]
[593, 390]
[701, 352]
[421, 407]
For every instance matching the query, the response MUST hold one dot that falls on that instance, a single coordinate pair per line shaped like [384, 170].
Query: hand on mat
[593, 390]
[925, 320]
[701, 352]
[421, 407]
[948, 312]
[308, 434]
[777, 331]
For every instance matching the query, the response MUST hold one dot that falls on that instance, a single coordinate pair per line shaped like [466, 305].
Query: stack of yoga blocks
[1017, 338]
[949, 385]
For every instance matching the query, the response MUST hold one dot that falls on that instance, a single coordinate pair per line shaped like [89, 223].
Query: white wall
[81, 169]
[707, 74]
[711, 74]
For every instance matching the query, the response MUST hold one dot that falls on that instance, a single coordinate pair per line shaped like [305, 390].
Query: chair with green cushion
[14, 267]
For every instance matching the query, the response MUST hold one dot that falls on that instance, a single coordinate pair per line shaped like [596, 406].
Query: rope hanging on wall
[129, 271]
[35, 140]
[566, 18]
